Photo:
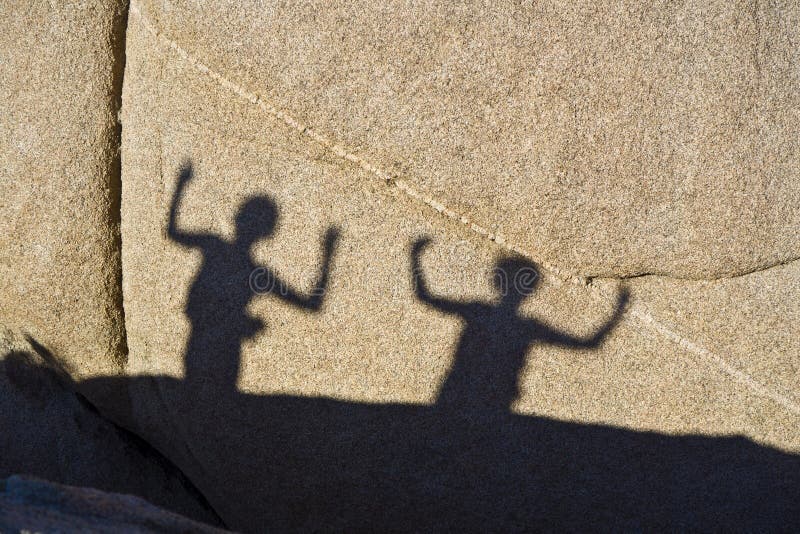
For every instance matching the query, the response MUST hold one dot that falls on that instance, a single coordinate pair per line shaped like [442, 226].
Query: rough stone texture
[31, 505]
[60, 77]
[48, 431]
[370, 411]
[750, 322]
[602, 139]
[607, 138]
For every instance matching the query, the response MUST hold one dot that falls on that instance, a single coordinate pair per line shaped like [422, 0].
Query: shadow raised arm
[421, 286]
[556, 337]
[313, 301]
[187, 239]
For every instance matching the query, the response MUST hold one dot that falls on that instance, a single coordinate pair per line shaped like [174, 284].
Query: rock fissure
[115, 182]
[777, 265]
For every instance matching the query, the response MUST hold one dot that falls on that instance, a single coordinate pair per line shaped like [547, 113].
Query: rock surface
[31, 505]
[50, 432]
[606, 138]
[322, 212]
[59, 179]
[377, 406]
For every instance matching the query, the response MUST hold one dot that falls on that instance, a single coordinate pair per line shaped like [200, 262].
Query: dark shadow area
[227, 281]
[279, 462]
[48, 430]
[496, 339]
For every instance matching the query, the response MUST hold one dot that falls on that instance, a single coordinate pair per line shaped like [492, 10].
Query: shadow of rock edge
[299, 463]
[49, 431]
[28, 504]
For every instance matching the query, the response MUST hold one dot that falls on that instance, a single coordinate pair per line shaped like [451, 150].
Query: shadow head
[257, 218]
[515, 278]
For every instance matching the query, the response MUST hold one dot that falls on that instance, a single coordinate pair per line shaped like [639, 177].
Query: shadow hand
[419, 245]
[622, 300]
[253, 325]
[331, 237]
[186, 173]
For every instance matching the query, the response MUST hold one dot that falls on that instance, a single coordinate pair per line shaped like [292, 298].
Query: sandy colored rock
[751, 323]
[371, 405]
[316, 200]
[59, 180]
[31, 505]
[51, 432]
[605, 138]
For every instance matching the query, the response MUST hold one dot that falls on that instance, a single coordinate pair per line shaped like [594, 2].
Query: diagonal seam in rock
[643, 317]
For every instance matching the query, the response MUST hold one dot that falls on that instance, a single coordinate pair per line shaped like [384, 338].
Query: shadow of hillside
[465, 463]
[298, 463]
